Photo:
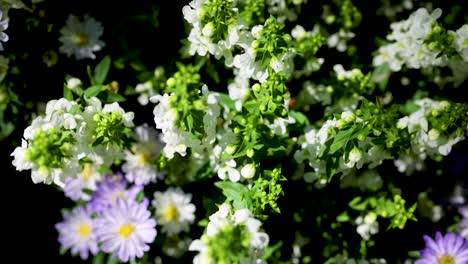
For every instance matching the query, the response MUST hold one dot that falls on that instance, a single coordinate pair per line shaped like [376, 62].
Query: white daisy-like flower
[77, 232]
[126, 229]
[139, 163]
[174, 211]
[81, 38]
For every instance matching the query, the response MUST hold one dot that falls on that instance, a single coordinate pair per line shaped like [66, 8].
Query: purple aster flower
[448, 249]
[3, 26]
[126, 229]
[77, 231]
[111, 189]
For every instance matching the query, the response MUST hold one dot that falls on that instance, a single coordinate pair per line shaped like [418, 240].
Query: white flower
[19, 154]
[81, 38]
[461, 41]
[145, 90]
[3, 27]
[298, 32]
[367, 226]
[238, 90]
[192, 12]
[140, 160]
[175, 140]
[228, 168]
[174, 211]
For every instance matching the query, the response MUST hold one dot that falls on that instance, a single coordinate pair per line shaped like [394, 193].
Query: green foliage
[217, 17]
[394, 209]
[272, 42]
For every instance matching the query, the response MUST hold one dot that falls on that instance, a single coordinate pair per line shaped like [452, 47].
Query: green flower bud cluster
[351, 85]
[230, 245]
[111, 130]
[451, 118]
[271, 95]
[217, 16]
[49, 149]
[266, 190]
[349, 16]
[380, 124]
[308, 46]
[272, 42]
[370, 123]
[254, 12]
[184, 86]
[395, 209]
[441, 40]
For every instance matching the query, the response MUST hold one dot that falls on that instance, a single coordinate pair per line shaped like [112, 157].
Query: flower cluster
[230, 236]
[422, 42]
[266, 132]
[113, 222]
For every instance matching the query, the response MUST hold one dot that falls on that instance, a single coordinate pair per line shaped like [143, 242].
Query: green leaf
[112, 260]
[341, 138]
[67, 93]
[343, 217]
[270, 250]
[99, 258]
[357, 204]
[93, 90]
[299, 117]
[100, 73]
[237, 193]
[140, 196]
[115, 97]
[414, 254]
[224, 99]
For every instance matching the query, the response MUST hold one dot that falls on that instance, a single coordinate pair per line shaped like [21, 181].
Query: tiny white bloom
[81, 38]
[174, 211]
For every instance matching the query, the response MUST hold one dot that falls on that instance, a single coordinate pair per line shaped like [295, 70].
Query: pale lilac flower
[77, 232]
[126, 229]
[451, 248]
[110, 190]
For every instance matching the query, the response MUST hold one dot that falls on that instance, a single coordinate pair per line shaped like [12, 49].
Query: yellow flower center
[447, 260]
[144, 158]
[170, 213]
[84, 229]
[87, 172]
[81, 39]
[126, 230]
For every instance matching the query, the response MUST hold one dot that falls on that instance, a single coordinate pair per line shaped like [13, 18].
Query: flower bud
[248, 171]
